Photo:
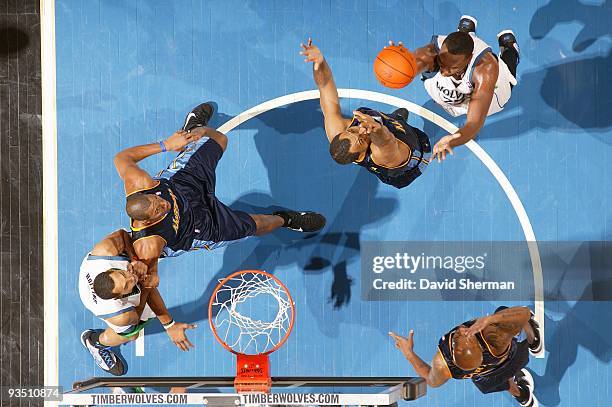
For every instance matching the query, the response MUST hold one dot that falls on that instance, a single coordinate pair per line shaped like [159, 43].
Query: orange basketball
[395, 66]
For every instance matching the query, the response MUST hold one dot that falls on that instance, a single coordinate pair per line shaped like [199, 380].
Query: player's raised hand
[443, 146]
[198, 132]
[367, 124]
[477, 326]
[138, 268]
[178, 140]
[150, 280]
[392, 44]
[178, 336]
[312, 54]
[405, 345]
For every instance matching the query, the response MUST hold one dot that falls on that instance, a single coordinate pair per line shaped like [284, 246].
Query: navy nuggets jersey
[490, 361]
[177, 226]
[415, 139]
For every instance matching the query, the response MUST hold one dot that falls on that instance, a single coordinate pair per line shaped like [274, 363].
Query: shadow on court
[586, 321]
[572, 92]
[568, 97]
[594, 18]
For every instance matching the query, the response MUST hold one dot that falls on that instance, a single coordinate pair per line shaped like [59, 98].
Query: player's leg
[515, 390]
[102, 353]
[100, 343]
[308, 222]
[265, 224]
[522, 379]
[112, 338]
[204, 153]
[509, 50]
[521, 388]
[232, 226]
[511, 376]
[533, 333]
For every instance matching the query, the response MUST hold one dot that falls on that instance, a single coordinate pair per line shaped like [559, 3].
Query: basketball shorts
[497, 380]
[192, 173]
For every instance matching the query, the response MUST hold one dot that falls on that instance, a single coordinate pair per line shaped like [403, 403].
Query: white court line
[49, 164]
[139, 343]
[501, 178]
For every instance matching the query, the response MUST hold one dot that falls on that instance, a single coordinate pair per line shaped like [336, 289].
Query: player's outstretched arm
[148, 249]
[425, 57]
[118, 243]
[112, 245]
[175, 330]
[214, 134]
[435, 375]
[134, 177]
[509, 321]
[485, 78]
[330, 102]
[384, 144]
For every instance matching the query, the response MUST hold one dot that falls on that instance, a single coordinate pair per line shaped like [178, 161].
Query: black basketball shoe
[524, 381]
[199, 116]
[467, 24]
[507, 40]
[308, 222]
[536, 346]
[104, 356]
[401, 112]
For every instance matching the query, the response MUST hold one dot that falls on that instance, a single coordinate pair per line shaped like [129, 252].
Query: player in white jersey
[463, 75]
[113, 286]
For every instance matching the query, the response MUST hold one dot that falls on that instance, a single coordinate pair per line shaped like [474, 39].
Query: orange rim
[237, 273]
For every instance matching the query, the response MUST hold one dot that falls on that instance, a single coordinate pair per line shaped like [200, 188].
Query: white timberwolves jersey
[454, 94]
[90, 268]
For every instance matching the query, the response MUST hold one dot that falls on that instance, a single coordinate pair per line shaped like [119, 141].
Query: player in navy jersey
[384, 144]
[485, 350]
[177, 210]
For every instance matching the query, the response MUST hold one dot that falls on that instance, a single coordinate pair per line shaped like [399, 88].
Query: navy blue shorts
[497, 380]
[192, 173]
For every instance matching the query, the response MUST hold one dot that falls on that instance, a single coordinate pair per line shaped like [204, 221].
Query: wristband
[163, 146]
[169, 324]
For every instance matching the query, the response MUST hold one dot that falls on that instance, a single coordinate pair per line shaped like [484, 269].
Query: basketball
[395, 66]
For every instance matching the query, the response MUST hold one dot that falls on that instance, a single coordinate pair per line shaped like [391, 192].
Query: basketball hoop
[251, 313]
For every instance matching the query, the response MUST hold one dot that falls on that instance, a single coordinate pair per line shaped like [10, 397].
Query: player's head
[467, 353]
[146, 206]
[114, 283]
[347, 146]
[455, 53]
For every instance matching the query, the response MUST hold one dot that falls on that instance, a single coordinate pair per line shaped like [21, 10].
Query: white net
[252, 313]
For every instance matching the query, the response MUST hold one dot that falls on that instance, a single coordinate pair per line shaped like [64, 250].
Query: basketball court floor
[128, 72]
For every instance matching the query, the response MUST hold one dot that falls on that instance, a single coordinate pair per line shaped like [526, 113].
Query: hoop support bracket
[252, 374]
